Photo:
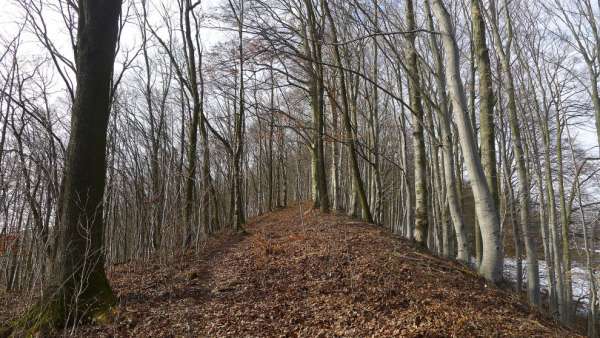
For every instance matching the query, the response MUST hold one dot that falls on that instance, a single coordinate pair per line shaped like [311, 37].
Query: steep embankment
[301, 273]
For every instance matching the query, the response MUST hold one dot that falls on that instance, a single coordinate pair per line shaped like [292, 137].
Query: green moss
[95, 304]
[104, 317]
[41, 318]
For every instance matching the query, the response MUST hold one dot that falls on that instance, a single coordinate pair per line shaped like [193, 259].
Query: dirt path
[303, 274]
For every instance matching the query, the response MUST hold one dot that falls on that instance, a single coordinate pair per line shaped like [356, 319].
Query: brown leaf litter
[305, 274]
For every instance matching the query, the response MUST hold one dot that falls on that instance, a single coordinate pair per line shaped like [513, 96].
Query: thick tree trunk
[313, 47]
[79, 289]
[190, 176]
[487, 100]
[462, 251]
[485, 208]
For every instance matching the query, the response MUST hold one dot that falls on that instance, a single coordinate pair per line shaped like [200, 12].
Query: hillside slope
[304, 274]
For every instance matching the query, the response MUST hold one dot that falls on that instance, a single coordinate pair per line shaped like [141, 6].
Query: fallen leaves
[304, 274]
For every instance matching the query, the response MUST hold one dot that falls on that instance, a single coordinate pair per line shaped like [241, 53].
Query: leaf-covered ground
[304, 274]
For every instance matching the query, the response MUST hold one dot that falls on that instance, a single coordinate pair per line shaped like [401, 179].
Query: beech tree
[79, 288]
[421, 198]
[487, 213]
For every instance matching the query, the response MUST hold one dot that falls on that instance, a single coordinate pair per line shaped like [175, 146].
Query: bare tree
[79, 285]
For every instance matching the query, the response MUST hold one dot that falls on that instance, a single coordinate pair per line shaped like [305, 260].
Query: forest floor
[299, 273]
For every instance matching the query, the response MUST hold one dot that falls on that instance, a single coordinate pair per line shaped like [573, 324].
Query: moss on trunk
[69, 305]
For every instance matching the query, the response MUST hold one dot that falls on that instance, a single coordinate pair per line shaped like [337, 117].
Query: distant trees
[357, 181]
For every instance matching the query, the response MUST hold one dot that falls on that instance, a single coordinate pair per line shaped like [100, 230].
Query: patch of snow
[580, 285]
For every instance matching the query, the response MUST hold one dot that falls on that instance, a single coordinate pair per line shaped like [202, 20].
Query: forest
[278, 167]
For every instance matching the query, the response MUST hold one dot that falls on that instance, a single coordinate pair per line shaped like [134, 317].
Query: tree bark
[313, 46]
[79, 288]
[485, 208]
[533, 282]
[487, 100]
[190, 175]
[350, 133]
[462, 253]
[239, 210]
[420, 167]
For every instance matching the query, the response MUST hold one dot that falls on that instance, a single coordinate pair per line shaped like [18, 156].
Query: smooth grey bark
[420, 168]
[487, 214]
[504, 54]
[462, 250]
[313, 49]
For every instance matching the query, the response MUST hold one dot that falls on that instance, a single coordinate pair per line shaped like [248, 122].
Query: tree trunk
[420, 165]
[190, 175]
[79, 289]
[485, 208]
[335, 154]
[567, 289]
[533, 282]
[315, 69]
[487, 100]
[346, 112]
[462, 251]
[239, 213]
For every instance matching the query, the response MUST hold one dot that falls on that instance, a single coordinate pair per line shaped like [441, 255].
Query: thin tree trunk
[533, 282]
[350, 133]
[414, 89]
[453, 202]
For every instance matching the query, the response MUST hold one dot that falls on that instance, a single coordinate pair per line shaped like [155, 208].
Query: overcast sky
[11, 16]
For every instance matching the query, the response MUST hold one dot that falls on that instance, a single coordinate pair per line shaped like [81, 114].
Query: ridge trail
[299, 273]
